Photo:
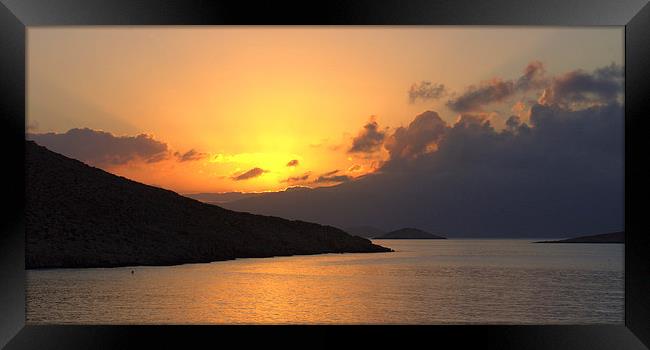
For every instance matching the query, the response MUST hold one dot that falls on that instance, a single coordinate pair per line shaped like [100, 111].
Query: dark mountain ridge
[80, 216]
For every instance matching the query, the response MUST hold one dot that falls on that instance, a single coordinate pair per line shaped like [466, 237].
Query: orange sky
[259, 97]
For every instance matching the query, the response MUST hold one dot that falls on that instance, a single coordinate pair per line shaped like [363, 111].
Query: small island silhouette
[612, 237]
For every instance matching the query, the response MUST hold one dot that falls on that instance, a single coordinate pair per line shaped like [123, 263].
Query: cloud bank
[102, 148]
[557, 174]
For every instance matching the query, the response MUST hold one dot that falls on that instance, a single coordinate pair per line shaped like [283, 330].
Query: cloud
[299, 178]
[102, 148]
[369, 138]
[613, 71]
[602, 86]
[190, 155]
[514, 123]
[561, 173]
[335, 178]
[293, 163]
[469, 120]
[426, 90]
[329, 173]
[355, 168]
[487, 92]
[533, 77]
[416, 139]
[331, 176]
[498, 90]
[560, 176]
[252, 173]
[577, 87]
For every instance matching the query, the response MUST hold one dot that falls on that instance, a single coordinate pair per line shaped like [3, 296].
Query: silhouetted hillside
[80, 216]
[409, 233]
[614, 237]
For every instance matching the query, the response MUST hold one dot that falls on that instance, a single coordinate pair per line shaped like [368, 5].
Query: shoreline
[200, 262]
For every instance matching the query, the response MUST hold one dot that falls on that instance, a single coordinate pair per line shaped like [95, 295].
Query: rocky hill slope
[81, 216]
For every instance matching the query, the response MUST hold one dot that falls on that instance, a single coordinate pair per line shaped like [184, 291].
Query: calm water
[424, 282]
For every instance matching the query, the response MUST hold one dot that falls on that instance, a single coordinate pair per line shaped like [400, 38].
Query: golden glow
[261, 97]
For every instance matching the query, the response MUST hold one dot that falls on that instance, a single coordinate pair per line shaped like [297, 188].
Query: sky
[251, 109]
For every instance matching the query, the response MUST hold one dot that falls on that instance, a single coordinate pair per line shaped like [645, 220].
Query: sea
[453, 281]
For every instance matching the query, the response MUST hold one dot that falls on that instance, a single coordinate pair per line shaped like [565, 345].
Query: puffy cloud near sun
[369, 139]
[409, 142]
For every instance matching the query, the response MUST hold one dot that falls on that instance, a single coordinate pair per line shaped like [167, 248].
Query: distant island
[613, 237]
[365, 231]
[409, 233]
[80, 216]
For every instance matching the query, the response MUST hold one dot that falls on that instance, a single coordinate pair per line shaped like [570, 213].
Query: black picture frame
[16, 15]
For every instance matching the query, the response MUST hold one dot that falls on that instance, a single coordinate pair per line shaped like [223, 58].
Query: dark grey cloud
[102, 148]
[469, 120]
[331, 176]
[300, 178]
[416, 139]
[533, 77]
[190, 155]
[426, 90]
[514, 123]
[293, 162]
[498, 90]
[613, 71]
[252, 173]
[602, 86]
[368, 140]
[475, 97]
